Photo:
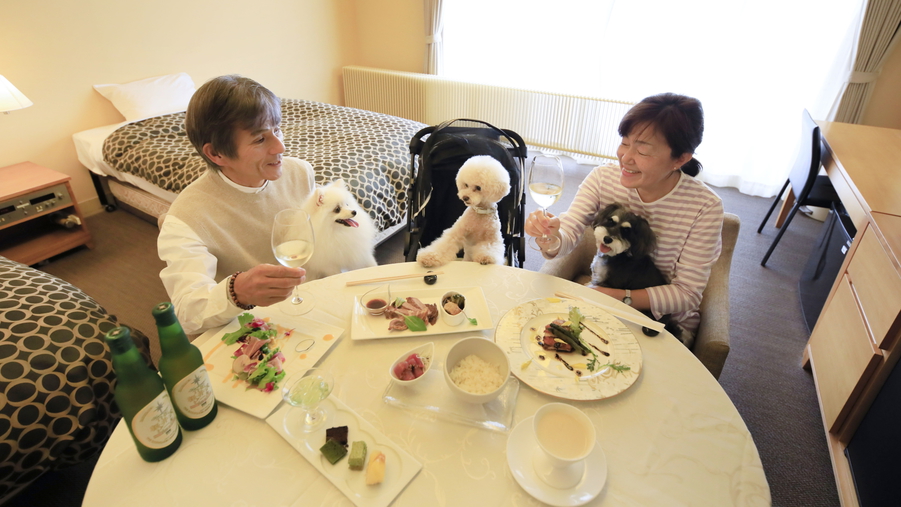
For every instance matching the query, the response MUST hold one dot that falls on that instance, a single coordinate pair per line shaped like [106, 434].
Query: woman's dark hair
[224, 104]
[679, 119]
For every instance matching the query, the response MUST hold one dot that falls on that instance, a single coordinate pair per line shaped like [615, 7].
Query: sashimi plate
[612, 367]
[292, 331]
[369, 327]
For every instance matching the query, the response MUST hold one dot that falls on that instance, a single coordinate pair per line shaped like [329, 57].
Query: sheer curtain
[879, 31]
[434, 10]
[753, 65]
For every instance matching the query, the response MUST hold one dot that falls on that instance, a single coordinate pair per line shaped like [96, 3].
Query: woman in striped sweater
[655, 179]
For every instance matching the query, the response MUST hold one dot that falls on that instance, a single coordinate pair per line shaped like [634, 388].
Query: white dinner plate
[292, 330]
[369, 327]
[619, 361]
[521, 448]
[400, 466]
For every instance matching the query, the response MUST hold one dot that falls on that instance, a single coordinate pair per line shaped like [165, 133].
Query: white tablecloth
[672, 439]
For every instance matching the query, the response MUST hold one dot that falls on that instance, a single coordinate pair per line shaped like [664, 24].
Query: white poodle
[481, 182]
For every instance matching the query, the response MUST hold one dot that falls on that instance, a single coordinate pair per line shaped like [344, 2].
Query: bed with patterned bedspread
[370, 151]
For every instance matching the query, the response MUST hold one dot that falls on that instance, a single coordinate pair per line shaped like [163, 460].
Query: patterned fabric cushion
[370, 151]
[56, 378]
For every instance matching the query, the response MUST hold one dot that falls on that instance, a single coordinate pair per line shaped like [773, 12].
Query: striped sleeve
[688, 224]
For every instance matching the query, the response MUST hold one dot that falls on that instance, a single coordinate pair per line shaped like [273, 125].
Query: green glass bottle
[184, 372]
[142, 399]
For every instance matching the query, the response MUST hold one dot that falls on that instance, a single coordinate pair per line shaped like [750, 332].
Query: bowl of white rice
[476, 369]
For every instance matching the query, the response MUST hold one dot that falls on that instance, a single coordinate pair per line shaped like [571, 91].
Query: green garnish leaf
[399, 302]
[575, 316]
[474, 322]
[414, 323]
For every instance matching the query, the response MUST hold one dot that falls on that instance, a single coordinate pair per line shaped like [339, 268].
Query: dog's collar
[485, 211]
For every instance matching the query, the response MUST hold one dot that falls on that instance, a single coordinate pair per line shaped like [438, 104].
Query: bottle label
[155, 425]
[193, 395]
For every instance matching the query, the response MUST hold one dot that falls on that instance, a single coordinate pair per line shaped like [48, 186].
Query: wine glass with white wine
[292, 243]
[545, 187]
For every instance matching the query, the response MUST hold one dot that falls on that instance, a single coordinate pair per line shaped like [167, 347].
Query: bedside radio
[39, 201]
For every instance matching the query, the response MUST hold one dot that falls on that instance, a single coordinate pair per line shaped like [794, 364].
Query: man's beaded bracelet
[234, 297]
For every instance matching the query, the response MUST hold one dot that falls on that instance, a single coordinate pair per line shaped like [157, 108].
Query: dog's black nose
[608, 240]
[465, 198]
[353, 213]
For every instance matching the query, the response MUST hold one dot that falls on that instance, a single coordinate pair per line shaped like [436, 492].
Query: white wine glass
[305, 391]
[545, 187]
[292, 243]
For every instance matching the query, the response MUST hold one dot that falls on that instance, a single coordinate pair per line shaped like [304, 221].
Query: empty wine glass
[305, 391]
[545, 187]
[292, 243]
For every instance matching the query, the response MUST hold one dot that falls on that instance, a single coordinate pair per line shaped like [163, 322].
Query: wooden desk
[855, 345]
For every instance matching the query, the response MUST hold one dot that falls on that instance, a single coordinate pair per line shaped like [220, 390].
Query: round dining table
[672, 438]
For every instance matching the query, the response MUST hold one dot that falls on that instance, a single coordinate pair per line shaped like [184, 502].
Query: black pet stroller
[433, 205]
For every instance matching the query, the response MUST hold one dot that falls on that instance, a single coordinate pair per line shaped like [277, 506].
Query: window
[753, 65]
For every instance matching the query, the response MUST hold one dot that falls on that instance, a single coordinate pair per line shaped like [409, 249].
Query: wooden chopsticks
[641, 320]
[392, 278]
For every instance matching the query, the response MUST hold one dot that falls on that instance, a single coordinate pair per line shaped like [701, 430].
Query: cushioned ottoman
[56, 379]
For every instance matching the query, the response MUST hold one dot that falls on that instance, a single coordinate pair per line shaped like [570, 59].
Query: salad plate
[293, 334]
[612, 364]
[400, 466]
[369, 327]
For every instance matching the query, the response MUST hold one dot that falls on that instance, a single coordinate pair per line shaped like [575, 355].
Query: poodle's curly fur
[482, 182]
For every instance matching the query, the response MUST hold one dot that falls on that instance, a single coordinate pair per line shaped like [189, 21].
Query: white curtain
[433, 31]
[878, 33]
[754, 65]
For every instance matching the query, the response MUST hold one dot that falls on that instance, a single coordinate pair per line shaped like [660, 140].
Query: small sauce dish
[376, 301]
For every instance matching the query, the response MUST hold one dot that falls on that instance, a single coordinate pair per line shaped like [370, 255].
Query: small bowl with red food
[412, 365]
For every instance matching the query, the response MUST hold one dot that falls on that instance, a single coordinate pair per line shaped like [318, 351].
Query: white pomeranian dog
[344, 233]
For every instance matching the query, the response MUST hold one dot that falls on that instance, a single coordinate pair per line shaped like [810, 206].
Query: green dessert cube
[333, 451]
[357, 455]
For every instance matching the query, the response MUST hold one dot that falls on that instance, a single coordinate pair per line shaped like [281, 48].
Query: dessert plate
[521, 446]
[400, 466]
[613, 365]
[369, 327]
[292, 331]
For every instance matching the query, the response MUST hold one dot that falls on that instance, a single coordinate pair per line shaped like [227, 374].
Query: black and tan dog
[625, 243]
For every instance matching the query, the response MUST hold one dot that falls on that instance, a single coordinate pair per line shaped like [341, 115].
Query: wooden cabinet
[855, 344]
[843, 350]
[29, 196]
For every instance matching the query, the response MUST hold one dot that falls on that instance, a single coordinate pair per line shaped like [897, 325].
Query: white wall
[54, 50]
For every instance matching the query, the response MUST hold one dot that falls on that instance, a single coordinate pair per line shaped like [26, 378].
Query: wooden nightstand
[29, 195]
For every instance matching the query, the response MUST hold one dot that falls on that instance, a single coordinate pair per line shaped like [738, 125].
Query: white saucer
[521, 444]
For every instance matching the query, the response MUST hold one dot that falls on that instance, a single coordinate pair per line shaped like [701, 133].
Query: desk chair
[712, 340]
[808, 187]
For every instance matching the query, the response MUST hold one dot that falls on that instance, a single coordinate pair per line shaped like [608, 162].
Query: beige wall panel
[53, 51]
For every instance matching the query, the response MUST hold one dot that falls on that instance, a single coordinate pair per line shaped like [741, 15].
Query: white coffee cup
[566, 436]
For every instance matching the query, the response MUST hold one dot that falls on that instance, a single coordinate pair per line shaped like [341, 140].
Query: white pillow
[149, 97]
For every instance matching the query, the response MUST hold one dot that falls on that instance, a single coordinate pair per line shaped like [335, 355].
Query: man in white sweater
[216, 237]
